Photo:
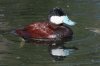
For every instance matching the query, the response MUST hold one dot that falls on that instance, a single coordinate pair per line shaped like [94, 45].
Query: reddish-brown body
[43, 30]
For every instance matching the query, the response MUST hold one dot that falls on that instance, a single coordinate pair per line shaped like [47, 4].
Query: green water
[18, 13]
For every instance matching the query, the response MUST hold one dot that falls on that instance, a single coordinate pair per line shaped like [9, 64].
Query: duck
[54, 29]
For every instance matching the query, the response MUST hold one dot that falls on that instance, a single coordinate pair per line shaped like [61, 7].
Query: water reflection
[57, 49]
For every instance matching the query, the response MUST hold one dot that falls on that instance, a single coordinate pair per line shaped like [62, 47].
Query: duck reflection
[58, 51]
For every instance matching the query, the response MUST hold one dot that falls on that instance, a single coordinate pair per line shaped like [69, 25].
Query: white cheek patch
[56, 19]
[62, 19]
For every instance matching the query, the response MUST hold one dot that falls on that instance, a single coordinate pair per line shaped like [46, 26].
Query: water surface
[18, 13]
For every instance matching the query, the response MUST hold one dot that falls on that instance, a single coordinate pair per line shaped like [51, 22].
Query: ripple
[97, 16]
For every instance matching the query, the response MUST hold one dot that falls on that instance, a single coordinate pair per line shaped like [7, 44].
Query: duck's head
[58, 16]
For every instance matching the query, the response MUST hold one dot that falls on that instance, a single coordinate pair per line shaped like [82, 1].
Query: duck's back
[40, 29]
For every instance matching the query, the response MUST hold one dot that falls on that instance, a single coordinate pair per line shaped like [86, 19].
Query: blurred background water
[18, 13]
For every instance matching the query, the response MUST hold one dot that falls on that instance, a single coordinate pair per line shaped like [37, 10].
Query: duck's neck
[62, 24]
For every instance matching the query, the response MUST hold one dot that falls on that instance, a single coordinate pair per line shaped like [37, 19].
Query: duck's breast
[63, 32]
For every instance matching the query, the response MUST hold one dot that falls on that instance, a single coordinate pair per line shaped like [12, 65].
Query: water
[18, 13]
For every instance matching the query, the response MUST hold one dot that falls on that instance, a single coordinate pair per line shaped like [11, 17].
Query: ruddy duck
[52, 30]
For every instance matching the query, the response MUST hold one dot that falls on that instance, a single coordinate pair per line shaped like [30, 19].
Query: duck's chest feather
[45, 30]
